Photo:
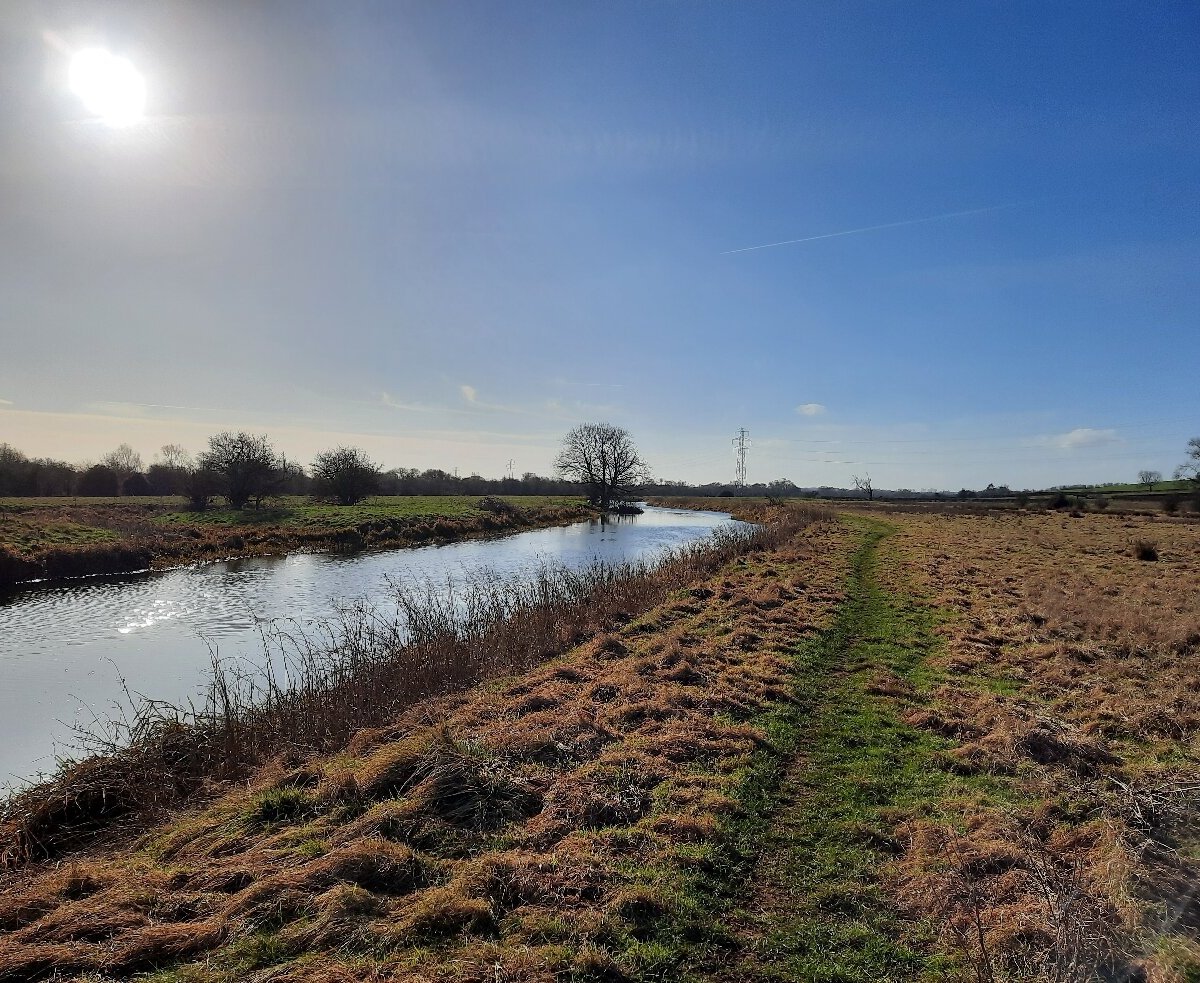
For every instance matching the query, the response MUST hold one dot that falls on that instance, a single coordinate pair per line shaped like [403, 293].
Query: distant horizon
[149, 456]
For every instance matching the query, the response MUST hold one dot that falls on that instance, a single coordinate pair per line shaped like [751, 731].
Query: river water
[68, 653]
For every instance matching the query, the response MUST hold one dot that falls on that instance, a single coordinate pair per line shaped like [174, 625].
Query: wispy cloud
[6, 402]
[572, 384]
[125, 409]
[1078, 438]
[811, 409]
[874, 228]
[470, 394]
[397, 404]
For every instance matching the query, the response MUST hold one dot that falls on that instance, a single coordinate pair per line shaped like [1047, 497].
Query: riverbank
[56, 539]
[891, 747]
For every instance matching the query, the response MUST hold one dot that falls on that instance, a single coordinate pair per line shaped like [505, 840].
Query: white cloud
[810, 409]
[6, 402]
[1080, 437]
[469, 394]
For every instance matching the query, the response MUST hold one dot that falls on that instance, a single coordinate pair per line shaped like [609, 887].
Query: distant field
[302, 512]
[64, 537]
[33, 523]
[1160, 487]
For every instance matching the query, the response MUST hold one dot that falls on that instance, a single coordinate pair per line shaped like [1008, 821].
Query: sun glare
[109, 86]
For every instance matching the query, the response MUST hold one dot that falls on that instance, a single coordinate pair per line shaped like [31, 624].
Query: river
[68, 652]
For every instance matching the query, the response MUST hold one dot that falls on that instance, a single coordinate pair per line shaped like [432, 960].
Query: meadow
[875, 745]
[54, 538]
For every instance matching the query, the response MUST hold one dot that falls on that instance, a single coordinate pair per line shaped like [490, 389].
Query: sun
[109, 86]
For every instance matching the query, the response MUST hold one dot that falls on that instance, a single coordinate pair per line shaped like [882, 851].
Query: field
[64, 537]
[887, 746]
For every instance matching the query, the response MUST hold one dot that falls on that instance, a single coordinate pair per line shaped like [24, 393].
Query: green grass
[819, 803]
[26, 504]
[25, 536]
[302, 513]
[822, 849]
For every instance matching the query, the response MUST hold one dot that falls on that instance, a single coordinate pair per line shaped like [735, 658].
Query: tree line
[596, 459]
[245, 470]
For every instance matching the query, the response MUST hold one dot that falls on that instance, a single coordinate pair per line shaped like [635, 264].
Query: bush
[1059, 501]
[495, 505]
[1101, 503]
[1145, 549]
[1170, 504]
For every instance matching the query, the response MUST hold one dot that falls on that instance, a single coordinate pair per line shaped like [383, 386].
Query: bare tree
[864, 485]
[243, 467]
[1191, 470]
[169, 474]
[1149, 479]
[174, 456]
[345, 474]
[603, 459]
[122, 462]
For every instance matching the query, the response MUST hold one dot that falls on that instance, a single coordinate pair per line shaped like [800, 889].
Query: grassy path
[814, 910]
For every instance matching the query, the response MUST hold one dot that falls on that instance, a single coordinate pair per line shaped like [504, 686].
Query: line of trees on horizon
[245, 469]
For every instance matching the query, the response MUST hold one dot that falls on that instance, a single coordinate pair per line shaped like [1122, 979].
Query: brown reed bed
[317, 688]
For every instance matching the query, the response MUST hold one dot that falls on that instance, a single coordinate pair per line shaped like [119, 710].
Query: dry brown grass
[484, 836]
[1070, 670]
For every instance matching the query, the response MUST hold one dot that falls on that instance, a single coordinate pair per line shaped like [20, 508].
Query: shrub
[1101, 503]
[1059, 501]
[1145, 549]
[496, 505]
[1170, 504]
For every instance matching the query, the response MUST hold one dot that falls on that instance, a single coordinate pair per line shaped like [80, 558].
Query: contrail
[874, 228]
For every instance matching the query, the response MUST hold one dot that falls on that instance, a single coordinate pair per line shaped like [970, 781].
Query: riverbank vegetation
[58, 538]
[894, 746]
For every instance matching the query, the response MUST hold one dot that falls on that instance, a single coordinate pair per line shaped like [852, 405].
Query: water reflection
[67, 652]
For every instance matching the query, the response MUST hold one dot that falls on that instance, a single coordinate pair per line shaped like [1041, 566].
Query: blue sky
[447, 232]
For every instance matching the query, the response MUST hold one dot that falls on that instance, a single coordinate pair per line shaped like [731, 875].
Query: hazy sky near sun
[449, 231]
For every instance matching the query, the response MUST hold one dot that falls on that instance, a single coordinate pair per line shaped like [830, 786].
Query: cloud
[6, 402]
[469, 394]
[810, 409]
[395, 404]
[1079, 437]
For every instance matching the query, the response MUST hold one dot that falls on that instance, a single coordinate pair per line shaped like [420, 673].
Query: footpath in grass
[821, 806]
